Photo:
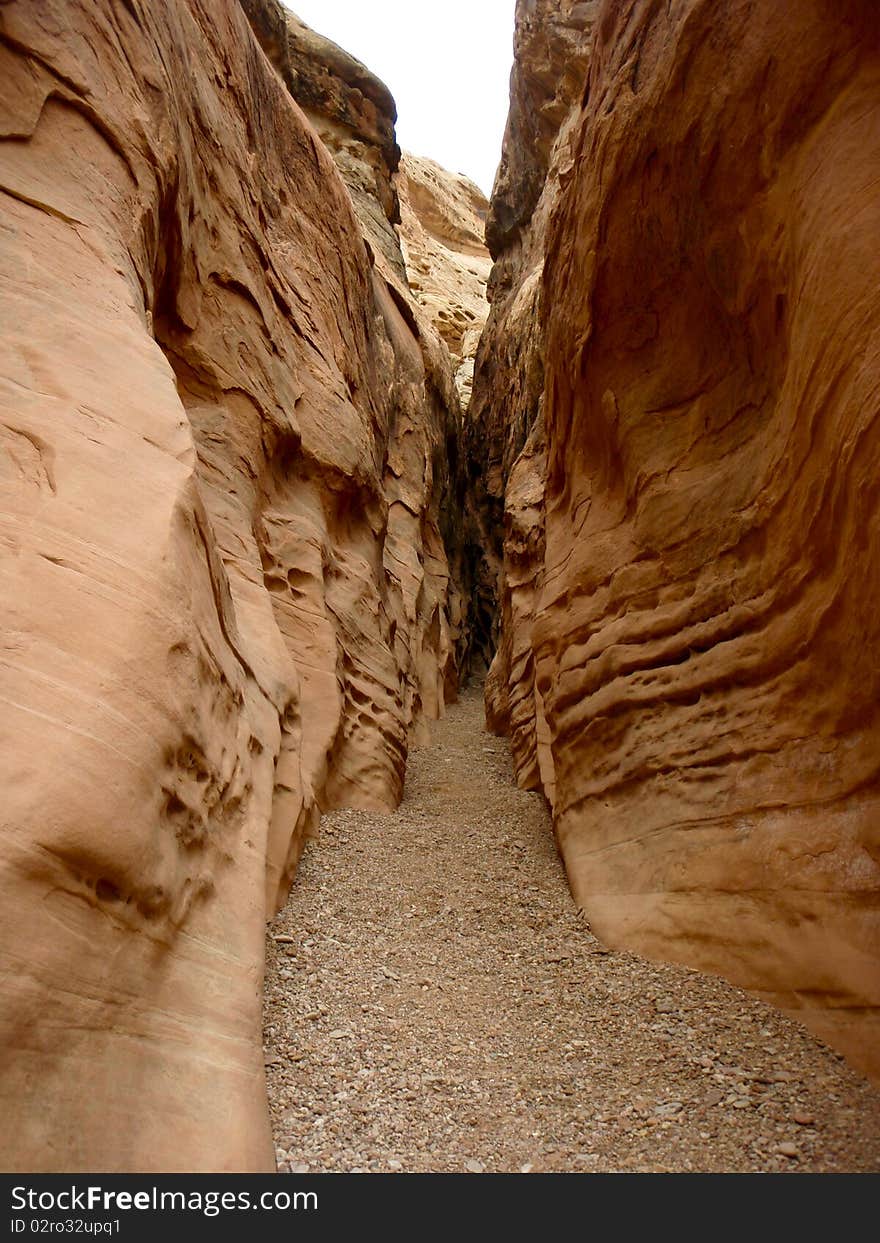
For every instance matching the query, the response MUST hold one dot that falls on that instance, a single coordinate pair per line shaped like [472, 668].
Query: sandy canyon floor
[434, 1002]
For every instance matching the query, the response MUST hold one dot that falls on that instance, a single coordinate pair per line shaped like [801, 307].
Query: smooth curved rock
[225, 592]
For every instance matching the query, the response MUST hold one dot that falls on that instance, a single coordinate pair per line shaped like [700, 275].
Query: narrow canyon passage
[299, 428]
[434, 1002]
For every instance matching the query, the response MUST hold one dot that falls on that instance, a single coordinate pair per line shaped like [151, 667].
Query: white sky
[447, 64]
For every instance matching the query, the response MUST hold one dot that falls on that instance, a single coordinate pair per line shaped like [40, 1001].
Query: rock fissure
[322, 456]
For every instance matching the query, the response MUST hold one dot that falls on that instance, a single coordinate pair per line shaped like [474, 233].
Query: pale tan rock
[696, 617]
[225, 594]
[442, 225]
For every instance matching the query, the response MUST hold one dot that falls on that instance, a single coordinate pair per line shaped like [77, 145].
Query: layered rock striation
[552, 40]
[677, 399]
[226, 597]
[443, 220]
[504, 432]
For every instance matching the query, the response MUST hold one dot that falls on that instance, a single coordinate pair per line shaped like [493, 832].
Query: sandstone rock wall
[552, 43]
[443, 220]
[693, 538]
[226, 598]
[423, 229]
[354, 114]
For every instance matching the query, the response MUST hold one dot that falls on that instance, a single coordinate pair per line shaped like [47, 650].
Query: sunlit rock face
[226, 597]
[690, 649]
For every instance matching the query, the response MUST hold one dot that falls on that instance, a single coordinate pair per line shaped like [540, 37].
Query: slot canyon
[440, 663]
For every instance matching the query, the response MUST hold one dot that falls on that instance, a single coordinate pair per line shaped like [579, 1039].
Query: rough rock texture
[442, 223]
[354, 113]
[224, 587]
[551, 43]
[268, 21]
[693, 539]
[551, 46]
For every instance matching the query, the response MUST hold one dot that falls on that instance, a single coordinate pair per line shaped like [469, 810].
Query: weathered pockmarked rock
[690, 597]
[430, 258]
[225, 593]
[442, 222]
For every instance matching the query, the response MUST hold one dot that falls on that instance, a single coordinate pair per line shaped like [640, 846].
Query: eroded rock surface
[354, 113]
[443, 220]
[226, 598]
[552, 42]
[690, 660]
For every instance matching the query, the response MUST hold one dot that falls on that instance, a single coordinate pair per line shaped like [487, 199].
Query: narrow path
[434, 1002]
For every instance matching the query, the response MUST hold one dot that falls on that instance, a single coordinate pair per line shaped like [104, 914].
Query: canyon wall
[551, 44]
[442, 226]
[676, 405]
[226, 598]
[354, 115]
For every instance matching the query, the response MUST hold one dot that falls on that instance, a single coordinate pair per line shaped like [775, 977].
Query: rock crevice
[251, 541]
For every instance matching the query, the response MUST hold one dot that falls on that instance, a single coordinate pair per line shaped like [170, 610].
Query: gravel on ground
[434, 1002]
